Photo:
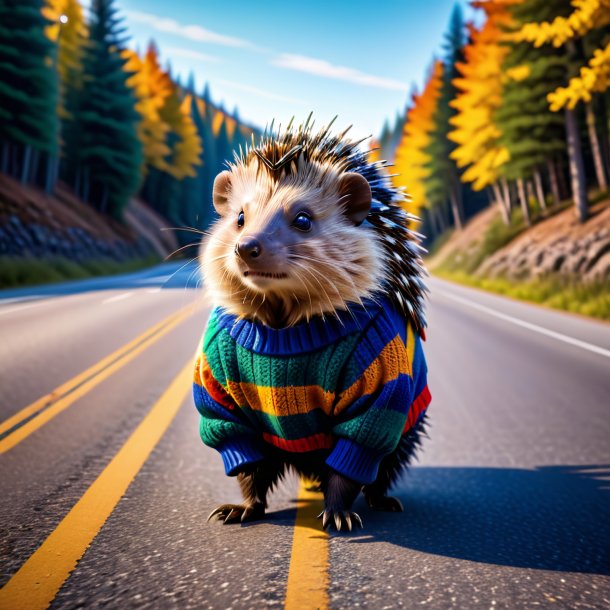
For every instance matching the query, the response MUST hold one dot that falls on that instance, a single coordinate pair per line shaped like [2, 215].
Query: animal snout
[248, 248]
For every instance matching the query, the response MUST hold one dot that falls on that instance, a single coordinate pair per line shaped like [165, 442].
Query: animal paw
[340, 518]
[384, 503]
[234, 513]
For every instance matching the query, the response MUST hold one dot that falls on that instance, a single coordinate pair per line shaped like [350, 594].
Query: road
[508, 506]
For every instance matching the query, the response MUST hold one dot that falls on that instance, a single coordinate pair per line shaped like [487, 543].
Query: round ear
[220, 192]
[356, 195]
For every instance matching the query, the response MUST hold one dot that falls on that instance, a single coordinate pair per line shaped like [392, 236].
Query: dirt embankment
[556, 246]
[36, 225]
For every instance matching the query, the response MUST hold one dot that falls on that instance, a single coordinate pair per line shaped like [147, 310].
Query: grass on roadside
[591, 299]
[15, 272]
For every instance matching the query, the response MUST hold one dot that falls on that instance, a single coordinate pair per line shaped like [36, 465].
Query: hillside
[47, 238]
[558, 261]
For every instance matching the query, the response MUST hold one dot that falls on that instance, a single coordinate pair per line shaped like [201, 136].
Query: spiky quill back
[280, 151]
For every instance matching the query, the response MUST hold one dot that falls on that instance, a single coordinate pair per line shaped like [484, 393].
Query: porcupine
[312, 357]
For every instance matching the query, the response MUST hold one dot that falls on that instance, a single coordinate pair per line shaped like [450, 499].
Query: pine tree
[224, 151]
[444, 180]
[210, 157]
[105, 147]
[28, 89]
[531, 133]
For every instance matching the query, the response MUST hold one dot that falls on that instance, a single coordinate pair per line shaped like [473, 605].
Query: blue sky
[277, 59]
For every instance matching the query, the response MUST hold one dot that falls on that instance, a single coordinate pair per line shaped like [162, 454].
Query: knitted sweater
[349, 385]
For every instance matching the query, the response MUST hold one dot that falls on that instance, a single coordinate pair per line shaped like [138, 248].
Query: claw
[233, 516]
[356, 516]
[320, 515]
[348, 520]
[233, 513]
[338, 521]
[215, 512]
[325, 520]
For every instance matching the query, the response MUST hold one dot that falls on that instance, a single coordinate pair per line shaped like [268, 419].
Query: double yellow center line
[37, 582]
[29, 419]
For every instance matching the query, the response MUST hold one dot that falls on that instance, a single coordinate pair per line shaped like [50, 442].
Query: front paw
[233, 513]
[340, 519]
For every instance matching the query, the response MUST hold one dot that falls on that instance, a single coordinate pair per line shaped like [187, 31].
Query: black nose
[249, 248]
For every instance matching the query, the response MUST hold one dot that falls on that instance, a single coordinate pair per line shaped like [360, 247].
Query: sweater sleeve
[222, 426]
[384, 385]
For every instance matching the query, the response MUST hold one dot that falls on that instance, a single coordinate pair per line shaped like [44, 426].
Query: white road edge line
[539, 329]
[12, 309]
[118, 297]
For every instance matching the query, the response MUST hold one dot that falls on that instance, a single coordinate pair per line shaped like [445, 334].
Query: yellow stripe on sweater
[410, 347]
[289, 400]
[392, 361]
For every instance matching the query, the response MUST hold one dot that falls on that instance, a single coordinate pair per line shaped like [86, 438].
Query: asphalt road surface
[101, 466]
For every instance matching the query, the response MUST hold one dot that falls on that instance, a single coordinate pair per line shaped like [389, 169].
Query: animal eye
[302, 221]
[240, 219]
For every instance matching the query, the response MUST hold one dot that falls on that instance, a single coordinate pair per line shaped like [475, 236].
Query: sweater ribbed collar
[301, 338]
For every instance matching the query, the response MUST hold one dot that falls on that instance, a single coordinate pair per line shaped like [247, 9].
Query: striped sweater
[349, 386]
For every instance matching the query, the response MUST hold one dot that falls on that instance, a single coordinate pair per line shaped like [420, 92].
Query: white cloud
[321, 67]
[261, 92]
[192, 32]
[190, 54]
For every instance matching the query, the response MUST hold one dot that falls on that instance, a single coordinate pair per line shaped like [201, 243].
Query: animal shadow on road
[551, 518]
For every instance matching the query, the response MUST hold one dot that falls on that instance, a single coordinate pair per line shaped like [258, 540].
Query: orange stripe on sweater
[301, 445]
[391, 362]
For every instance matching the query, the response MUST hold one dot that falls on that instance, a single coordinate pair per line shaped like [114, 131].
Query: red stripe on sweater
[301, 445]
[417, 408]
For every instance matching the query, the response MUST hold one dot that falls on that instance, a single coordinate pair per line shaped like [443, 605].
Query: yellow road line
[308, 579]
[66, 394]
[39, 579]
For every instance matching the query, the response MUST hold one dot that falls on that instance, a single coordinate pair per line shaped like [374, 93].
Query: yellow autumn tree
[480, 94]
[184, 140]
[152, 87]
[188, 149]
[592, 78]
[69, 31]
[411, 159]
[587, 18]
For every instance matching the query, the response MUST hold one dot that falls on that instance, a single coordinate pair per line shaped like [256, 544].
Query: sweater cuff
[355, 461]
[236, 453]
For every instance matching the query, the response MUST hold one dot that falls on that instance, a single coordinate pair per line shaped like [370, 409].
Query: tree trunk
[440, 219]
[525, 208]
[595, 147]
[577, 170]
[104, 203]
[539, 189]
[77, 181]
[33, 177]
[504, 210]
[85, 179]
[552, 169]
[455, 209]
[564, 189]
[5, 157]
[507, 198]
[49, 179]
[25, 169]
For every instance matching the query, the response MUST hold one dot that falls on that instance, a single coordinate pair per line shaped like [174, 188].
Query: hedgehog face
[288, 246]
